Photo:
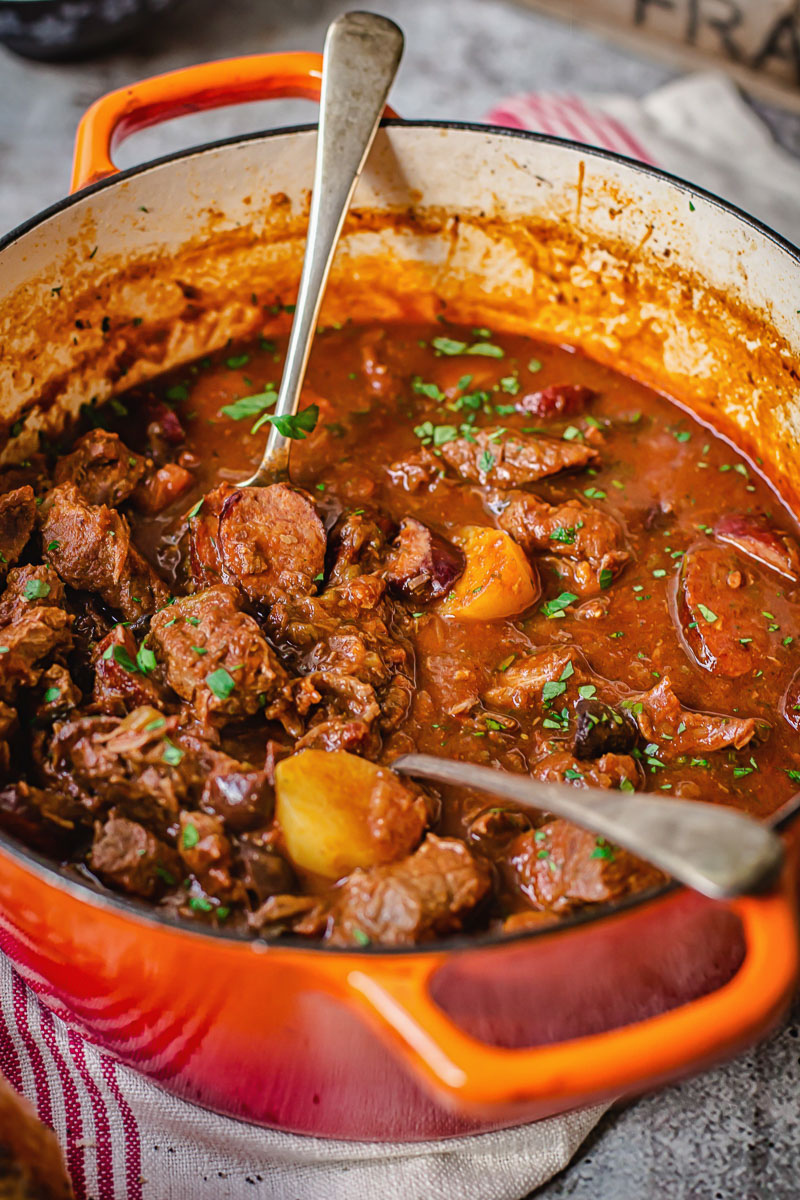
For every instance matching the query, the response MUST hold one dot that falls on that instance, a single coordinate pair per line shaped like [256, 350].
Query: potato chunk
[339, 812]
[498, 580]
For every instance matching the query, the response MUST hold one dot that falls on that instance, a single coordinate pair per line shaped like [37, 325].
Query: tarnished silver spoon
[712, 849]
[361, 57]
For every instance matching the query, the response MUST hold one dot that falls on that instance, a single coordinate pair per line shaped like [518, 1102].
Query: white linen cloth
[123, 1136]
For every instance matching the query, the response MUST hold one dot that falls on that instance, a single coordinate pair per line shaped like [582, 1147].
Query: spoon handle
[362, 54]
[710, 848]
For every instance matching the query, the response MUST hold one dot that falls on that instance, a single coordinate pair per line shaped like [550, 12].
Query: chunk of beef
[262, 870]
[348, 630]
[602, 729]
[133, 765]
[214, 655]
[340, 710]
[91, 549]
[44, 819]
[30, 587]
[127, 856]
[244, 799]
[508, 459]
[356, 546]
[752, 534]
[342, 733]
[17, 519]
[120, 684]
[560, 400]
[162, 487]
[281, 912]
[560, 866]
[206, 854]
[102, 468]
[678, 730]
[9, 725]
[432, 892]
[608, 771]
[416, 471]
[573, 530]
[522, 684]
[422, 566]
[718, 613]
[267, 540]
[32, 630]
[59, 694]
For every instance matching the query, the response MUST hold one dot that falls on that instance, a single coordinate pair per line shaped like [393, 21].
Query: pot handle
[118, 114]
[475, 1077]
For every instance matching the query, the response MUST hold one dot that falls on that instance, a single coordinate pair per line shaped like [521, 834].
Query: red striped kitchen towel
[125, 1138]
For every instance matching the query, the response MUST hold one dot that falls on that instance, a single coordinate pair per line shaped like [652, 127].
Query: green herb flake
[221, 683]
[172, 753]
[594, 493]
[506, 663]
[51, 695]
[486, 350]
[200, 904]
[556, 607]
[190, 837]
[606, 577]
[156, 723]
[444, 345]
[486, 462]
[587, 691]
[178, 391]
[121, 656]
[236, 361]
[707, 614]
[361, 937]
[572, 434]
[534, 365]
[36, 589]
[296, 427]
[250, 406]
[431, 390]
[564, 534]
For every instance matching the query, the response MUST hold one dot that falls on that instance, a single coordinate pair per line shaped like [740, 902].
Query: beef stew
[493, 549]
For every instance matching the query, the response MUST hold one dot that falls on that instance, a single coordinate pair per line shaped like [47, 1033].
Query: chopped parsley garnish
[506, 663]
[486, 461]
[361, 937]
[178, 391]
[556, 607]
[606, 577]
[556, 687]
[707, 614]
[250, 406]
[486, 350]
[190, 837]
[51, 694]
[603, 850]
[36, 589]
[572, 774]
[195, 509]
[572, 434]
[156, 723]
[564, 534]
[431, 390]
[594, 493]
[444, 345]
[236, 361]
[200, 904]
[199, 649]
[534, 365]
[587, 691]
[145, 659]
[53, 546]
[121, 656]
[172, 753]
[221, 683]
[297, 426]
[510, 384]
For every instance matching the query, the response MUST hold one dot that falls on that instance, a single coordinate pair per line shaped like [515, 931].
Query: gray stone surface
[732, 1133]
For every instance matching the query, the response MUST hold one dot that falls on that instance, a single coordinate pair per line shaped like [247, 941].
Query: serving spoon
[710, 848]
[360, 60]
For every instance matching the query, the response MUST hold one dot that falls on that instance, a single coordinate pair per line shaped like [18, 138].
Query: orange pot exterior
[378, 1044]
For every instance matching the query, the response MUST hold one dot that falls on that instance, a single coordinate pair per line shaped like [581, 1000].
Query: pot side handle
[115, 116]
[479, 1079]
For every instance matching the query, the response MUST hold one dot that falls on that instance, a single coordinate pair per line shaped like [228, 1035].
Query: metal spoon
[712, 849]
[362, 54]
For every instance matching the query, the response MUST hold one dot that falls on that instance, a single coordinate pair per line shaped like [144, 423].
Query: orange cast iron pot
[461, 1036]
